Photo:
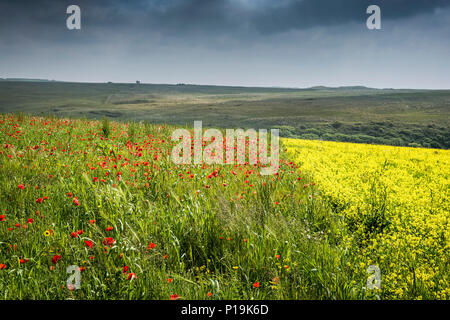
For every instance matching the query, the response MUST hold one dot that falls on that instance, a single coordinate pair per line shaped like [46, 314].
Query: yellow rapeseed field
[394, 202]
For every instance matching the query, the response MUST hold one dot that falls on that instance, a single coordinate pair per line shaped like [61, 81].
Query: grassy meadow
[104, 196]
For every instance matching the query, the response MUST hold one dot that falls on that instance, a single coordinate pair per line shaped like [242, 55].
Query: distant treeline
[387, 133]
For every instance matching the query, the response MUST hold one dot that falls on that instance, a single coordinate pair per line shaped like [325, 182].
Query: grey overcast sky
[286, 43]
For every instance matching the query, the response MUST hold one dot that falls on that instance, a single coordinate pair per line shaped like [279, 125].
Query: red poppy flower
[80, 232]
[89, 243]
[256, 284]
[131, 276]
[2, 266]
[21, 186]
[109, 228]
[125, 269]
[2, 217]
[109, 241]
[23, 261]
[76, 202]
[56, 258]
[92, 221]
[174, 297]
[169, 280]
[151, 246]
[39, 200]
[74, 235]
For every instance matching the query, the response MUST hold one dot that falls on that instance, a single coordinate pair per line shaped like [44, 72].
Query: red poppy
[39, 200]
[256, 284]
[76, 202]
[92, 221]
[89, 243]
[2, 217]
[109, 228]
[125, 269]
[30, 220]
[80, 232]
[174, 297]
[169, 280]
[151, 245]
[109, 241]
[23, 261]
[56, 258]
[21, 186]
[209, 294]
[131, 276]
[2, 266]
[74, 235]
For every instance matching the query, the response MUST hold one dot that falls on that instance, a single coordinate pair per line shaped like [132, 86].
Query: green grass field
[105, 197]
[355, 114]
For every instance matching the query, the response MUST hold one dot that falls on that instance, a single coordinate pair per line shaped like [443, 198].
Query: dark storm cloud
[46, 19]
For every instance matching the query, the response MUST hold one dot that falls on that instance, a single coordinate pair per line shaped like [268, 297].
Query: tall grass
[233, 235]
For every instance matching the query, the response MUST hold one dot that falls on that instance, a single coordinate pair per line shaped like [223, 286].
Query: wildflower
[131, 276]
[209, 294]
[92, 221]
[109, 228]
[109, 241]
[125, 269]
[74, 235]
[89, 243]
[21, 186]
[22, 261]
[151, 246]
[256, 284]
[39, 200]
[48, 233]
[174, 297]
[56, 258]
[2, 266]
[76, 202]
[2, 217]
[169, 280]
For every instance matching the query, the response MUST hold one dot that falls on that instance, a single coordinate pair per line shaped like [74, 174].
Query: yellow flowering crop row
[395, 204]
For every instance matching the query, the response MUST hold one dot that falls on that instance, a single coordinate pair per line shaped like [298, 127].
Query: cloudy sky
[288, 43]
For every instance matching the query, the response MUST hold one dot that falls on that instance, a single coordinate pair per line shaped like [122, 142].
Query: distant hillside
[353, 114]
[26, 80]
